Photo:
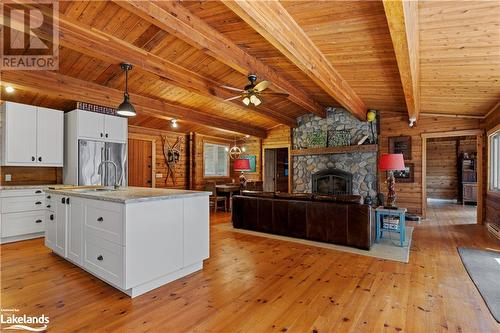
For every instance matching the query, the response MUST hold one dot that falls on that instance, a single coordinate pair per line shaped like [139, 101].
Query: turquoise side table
[380, 213]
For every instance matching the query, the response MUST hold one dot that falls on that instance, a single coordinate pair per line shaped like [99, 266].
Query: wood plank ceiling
[177, 70]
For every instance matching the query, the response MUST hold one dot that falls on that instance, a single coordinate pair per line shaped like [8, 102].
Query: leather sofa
[342, 220]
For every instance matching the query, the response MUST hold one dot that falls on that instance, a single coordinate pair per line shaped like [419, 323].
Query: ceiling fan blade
[261, 86]
[232, 88]
[232, 98]
[275, 94]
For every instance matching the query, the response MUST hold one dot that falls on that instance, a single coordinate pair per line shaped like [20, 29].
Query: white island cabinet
[136, 239]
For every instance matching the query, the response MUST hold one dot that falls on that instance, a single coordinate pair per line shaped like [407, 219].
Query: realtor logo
[30, 35]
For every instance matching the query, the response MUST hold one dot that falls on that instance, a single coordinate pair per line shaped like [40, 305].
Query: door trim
[479, 134]
[290, 162]
[137, 136]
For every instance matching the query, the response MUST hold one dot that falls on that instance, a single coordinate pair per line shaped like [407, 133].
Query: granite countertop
[28, 187]
[128, 194]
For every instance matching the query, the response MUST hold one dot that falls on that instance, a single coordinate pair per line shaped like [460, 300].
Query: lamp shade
[392, 162]
[241, 164]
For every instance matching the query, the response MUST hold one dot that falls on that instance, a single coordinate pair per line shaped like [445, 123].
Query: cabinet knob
[48, 206]
[52, 217]
[48, 197]
[38, 203]
[63, 200]
[33, 158]
[100, 219]
[38, 192]
[67, 201]
[40, 159]
[100, 258]
[106, 134]
[101, 135]
[38, 221]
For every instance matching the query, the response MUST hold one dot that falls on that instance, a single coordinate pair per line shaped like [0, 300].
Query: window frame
[219, 144]
[492, 133]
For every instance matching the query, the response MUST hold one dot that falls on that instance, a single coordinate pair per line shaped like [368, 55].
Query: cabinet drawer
[21, 193]
[15, 224]
[105, 222]
[105, 259]
[21, 204]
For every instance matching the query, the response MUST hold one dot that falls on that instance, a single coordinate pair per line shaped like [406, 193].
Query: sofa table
[382, 212]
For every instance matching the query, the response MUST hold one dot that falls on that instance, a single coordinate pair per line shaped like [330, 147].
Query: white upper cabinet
[31, 136]
[50, 142]
[102, 127]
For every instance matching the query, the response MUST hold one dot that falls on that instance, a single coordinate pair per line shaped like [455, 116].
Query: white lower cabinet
[135, 247]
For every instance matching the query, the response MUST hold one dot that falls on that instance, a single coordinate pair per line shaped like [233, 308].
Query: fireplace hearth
[332, 181]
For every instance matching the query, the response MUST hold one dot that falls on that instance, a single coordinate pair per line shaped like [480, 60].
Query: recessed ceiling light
[247, 136]
[174, 123]
[10, 89]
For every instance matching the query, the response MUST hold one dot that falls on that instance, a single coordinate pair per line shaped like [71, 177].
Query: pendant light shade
[126, 109]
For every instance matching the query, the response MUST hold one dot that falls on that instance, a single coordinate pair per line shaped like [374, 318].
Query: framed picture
[406, 175]
[400, 145]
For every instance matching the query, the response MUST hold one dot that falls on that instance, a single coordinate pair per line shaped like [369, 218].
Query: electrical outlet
[8, 178]
[159, 175]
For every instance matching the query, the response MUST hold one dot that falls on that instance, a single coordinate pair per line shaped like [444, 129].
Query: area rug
[388, 247]
[484, 270]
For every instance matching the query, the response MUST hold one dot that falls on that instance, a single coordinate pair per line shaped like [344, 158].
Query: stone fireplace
[332, 181]
[312, 173]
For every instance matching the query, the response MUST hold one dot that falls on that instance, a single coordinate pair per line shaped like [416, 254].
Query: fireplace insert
[332, 181]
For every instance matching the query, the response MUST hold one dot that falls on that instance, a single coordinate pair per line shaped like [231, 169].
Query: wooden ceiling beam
[66, 87]
[98, 44]
[177, 20]
[271, 20]
[402, 18]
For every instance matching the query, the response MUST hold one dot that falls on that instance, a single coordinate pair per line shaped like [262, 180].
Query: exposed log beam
[52, 83]
[172, 17]
[277, 26]
[98, 44]
[402, 18]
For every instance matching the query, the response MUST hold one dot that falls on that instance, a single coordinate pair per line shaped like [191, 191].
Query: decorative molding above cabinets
[31, 136]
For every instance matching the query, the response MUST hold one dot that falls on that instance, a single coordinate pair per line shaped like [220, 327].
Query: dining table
[228, 190]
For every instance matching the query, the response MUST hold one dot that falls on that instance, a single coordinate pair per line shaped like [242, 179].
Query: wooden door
[140, 160]
[269, 170]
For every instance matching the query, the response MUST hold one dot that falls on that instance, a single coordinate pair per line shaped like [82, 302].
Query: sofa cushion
[357, 199]
[259, 194]
[293, 196]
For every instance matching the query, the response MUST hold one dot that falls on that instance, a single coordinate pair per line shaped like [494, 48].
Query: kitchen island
[135, 239]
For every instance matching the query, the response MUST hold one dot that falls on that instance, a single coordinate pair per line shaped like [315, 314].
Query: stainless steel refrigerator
[92, 153]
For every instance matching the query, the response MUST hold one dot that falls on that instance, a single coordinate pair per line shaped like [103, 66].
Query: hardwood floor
[255, 284]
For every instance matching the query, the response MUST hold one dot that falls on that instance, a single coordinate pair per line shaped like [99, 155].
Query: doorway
[140, 166]
[452, 174]
[276, 170]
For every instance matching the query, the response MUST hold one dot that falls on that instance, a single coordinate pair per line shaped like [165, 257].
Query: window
[494, 161]
[215, 160]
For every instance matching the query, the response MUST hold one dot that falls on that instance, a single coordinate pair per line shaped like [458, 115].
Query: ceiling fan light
[246, 101]
[174, 123]
[253, 98]
[126, 109]
[257, 101]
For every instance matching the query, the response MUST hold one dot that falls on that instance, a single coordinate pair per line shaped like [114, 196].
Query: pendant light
[126, 109]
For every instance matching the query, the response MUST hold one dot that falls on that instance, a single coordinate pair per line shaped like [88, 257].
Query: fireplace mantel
[335, 150]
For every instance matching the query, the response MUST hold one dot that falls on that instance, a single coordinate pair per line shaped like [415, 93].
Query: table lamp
[391, 163]
[242, 164]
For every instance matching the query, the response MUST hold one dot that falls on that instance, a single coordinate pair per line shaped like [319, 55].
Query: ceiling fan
[252, 93]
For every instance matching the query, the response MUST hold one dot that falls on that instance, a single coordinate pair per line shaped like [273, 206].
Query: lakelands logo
[30, 35]
[15, 321]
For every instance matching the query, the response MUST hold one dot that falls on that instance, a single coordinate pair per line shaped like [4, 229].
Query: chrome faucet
[99, 171]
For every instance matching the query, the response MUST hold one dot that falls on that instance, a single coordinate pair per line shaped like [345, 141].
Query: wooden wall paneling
[410, 195]
[31, 175]
[271, 20]
[492, 199]
[160, 167]
[442, 173]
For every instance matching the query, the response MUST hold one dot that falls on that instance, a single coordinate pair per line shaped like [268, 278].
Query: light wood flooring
[255, 284]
